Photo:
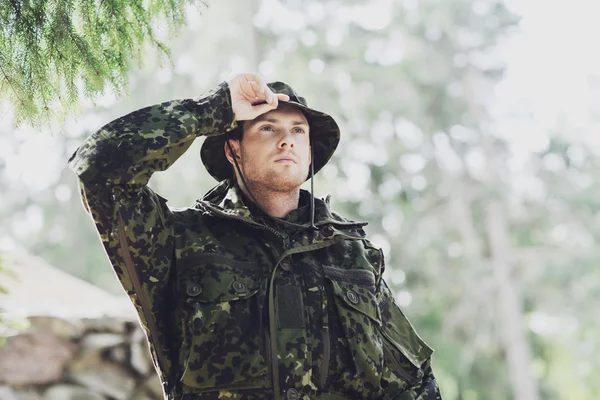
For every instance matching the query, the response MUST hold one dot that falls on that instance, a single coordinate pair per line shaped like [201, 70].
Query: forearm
[128, 150]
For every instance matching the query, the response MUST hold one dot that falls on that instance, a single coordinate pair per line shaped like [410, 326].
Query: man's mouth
[285, 160]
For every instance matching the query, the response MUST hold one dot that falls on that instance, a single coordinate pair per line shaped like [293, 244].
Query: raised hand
[251, 97]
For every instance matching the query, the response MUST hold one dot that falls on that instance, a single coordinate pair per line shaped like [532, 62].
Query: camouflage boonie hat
[324, 137]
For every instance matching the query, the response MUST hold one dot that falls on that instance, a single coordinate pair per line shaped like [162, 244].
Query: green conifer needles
[53, 53]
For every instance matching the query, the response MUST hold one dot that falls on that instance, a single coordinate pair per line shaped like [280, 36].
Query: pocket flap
[225, 287]
[357, 297]
[215, 278]
[401, 334]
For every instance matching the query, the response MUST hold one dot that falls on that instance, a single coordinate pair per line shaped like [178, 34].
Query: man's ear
[235, 146]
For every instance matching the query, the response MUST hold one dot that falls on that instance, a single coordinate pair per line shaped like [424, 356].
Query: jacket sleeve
[134, 223]
[411, 356]
[127, 151]
[424, 389]
[405, 353]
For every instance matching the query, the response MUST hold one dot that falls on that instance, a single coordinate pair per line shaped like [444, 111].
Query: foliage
[53, 54]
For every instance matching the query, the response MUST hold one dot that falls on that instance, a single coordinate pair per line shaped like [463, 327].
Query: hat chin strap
[312, 196]
[312, 189]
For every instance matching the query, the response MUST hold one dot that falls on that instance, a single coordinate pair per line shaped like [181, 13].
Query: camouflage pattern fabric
[235, 308]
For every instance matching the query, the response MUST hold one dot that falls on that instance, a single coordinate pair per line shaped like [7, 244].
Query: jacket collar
[227, 199]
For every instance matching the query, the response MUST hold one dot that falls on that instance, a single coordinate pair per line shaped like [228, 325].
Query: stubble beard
[261, 179]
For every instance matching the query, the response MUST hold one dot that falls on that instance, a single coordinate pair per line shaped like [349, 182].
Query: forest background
[470, 144]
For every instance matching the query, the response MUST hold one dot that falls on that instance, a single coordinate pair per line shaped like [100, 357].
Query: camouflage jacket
[235, 308]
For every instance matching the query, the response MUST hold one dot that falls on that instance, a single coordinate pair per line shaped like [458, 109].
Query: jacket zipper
[326, 338]
[326, 357]
[143, 300]
[244, 220]
[347, 225]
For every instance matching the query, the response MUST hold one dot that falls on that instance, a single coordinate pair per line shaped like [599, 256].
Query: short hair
[237, 133]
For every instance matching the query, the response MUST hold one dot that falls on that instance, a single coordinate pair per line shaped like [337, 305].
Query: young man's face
[274, 152]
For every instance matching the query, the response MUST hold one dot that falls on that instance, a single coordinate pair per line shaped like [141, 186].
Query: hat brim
[324, 138]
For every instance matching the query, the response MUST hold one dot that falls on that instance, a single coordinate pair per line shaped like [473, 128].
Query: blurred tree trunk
[509, 304]
[247, 11]
[510, 310]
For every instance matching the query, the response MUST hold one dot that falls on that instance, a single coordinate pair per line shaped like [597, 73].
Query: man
[258, 291]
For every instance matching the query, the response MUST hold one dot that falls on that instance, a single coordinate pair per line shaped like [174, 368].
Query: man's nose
[287, 140]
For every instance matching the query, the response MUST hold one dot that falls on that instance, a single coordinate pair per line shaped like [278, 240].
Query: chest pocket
[224, 346]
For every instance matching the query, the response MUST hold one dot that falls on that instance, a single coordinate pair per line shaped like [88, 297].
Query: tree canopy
[53, 54]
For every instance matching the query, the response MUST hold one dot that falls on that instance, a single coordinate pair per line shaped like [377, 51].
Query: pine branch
[49, 48]
[5, 78]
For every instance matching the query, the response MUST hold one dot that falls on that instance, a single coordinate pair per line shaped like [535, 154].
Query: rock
[35, 358]
[61, 328]
[99, 359]
[141, 394]
[105, 324]
[117, 354]
[153, 387]
[102, 340]
[71, 392]
[137, 334]
[27, 394]
[7, 393]
[140, 358]
[112, 381]
[91, 370]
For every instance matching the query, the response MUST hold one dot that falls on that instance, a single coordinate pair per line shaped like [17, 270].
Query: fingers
[259, 93]
[254, 89]
[264, 93]
[251, 96]
[282, 97]
[269, 96]
[263, 108]
[248, 89]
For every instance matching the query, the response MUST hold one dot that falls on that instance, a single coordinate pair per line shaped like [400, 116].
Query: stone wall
[80, 359]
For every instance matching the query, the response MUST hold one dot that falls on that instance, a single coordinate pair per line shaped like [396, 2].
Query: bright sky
[551, 63]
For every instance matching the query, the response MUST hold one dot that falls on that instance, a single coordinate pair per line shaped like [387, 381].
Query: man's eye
[298, 130]
[266, 128]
